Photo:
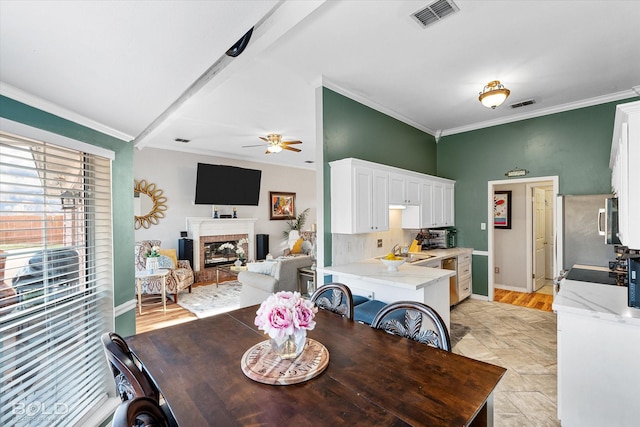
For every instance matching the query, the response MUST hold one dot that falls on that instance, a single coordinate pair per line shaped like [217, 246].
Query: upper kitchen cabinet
[404, 189]
[359, 197]
[437, 204]
[625, 151]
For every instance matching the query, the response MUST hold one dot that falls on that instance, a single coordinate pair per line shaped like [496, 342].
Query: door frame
[529, 226]
[530, 201]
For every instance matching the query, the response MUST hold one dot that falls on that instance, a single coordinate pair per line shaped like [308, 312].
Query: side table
[306, 281]
[144, 274]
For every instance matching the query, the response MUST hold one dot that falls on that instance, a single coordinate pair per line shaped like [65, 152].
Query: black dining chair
[336, 298]
[131, 380]
[140, 411]
[405, 318]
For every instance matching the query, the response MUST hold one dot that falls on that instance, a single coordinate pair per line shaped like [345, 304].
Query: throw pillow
[297, 247]
[165, 262]
[262, 267]
[171, 253]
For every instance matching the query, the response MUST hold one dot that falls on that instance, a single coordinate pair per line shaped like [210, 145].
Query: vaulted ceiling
[156, 71]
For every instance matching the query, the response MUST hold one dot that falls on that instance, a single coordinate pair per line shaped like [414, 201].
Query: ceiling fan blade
[249, 146]
[267, 152]
[292, 142]
[263, 138]
[291, 148]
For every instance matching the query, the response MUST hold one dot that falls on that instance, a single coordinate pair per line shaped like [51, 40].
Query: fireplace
[212, 233]
[221, 252]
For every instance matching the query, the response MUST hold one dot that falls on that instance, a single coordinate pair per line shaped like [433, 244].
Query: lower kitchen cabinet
[598, 348]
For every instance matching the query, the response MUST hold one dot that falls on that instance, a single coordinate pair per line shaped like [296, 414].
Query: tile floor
[522, 340]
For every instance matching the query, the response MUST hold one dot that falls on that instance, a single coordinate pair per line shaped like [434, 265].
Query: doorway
[521, 258]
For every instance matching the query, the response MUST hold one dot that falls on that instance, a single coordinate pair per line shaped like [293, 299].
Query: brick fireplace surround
[208, 230]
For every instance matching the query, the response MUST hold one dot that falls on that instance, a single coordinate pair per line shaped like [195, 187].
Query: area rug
[457, 332]
[209, 300]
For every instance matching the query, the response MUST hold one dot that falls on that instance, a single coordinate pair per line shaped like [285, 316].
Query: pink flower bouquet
[284, 314]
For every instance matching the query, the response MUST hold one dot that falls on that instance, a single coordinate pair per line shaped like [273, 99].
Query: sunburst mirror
[149, 204]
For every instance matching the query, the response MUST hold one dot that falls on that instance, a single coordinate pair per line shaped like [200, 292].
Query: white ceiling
[127, 67]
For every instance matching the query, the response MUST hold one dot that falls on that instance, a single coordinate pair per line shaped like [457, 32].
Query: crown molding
[545, 111]
[371, 104]
[29, 99]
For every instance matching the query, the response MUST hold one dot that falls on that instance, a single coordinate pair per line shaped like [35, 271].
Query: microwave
[608, 221]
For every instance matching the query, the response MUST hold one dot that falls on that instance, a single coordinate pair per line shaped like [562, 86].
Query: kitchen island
[598, 348]
[371, 279]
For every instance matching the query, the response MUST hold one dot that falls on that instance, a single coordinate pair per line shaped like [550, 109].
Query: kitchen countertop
[407, 277]
[607, 302]
[439, 254]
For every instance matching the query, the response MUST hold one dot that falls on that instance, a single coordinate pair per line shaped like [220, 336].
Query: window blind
[56, 281]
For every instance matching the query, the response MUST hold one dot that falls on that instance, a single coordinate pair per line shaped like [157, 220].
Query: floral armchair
[180, 277]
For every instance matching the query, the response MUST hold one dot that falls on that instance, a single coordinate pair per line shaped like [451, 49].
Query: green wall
[573, 145]
[122, 194]
[354, 130]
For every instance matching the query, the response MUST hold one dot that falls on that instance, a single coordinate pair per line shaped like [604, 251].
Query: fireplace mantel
[198, 227]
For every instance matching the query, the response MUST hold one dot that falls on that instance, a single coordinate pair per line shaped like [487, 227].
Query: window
[56, 278]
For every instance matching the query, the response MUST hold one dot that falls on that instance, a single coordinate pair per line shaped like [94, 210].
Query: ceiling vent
[434, 12]
[182, 140]
[523, 103]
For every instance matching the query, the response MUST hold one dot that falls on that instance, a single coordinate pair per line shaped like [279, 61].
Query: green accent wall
[352, 129]
[574, 145]
[122, 194]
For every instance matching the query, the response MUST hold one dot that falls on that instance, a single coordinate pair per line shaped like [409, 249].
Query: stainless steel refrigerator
[582, 243]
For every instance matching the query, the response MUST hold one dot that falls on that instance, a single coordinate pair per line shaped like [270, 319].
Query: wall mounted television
[227, 185]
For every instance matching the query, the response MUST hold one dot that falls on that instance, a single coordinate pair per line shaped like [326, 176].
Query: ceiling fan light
[493, 94]
[274, 148]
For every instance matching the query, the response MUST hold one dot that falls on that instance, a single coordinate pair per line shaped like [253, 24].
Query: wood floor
[152, 316]
[532, 300]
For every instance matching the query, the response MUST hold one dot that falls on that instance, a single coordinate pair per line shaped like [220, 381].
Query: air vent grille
[434, 12]
[523, 103]
[182, 140]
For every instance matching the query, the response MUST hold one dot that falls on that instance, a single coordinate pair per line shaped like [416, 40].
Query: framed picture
[502, 209]
[282, 205]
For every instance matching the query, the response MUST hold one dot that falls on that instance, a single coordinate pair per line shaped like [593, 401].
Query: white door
[539, 215]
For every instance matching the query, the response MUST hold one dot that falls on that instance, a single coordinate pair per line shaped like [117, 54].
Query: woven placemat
[262, 365]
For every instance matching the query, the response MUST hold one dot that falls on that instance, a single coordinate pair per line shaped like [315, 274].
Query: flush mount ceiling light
[493, 94]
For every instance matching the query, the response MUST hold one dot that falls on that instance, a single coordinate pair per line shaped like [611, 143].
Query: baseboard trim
[511, 288]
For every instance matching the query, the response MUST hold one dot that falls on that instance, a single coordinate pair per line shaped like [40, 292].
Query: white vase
[152, 264]
[238, 263]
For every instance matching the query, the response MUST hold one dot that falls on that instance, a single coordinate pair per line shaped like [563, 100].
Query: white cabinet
[359, 198]
[447, 205]
[404, 189]
[625, 173]
[464, 275]
[436, 207]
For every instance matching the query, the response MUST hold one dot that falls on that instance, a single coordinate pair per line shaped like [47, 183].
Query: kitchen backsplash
[355, 247]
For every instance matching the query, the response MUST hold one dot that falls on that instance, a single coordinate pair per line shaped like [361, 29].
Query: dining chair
[336, 298]
[390, 319]
[131, 381]
[141, 411]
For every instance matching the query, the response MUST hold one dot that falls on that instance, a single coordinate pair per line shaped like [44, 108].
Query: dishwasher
[454, 293]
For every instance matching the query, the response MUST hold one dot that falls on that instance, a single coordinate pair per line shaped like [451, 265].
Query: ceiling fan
[275, 144]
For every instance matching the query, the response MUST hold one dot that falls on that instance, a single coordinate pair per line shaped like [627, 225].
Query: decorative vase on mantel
[152, 264]
[291, 346]
[238, 263]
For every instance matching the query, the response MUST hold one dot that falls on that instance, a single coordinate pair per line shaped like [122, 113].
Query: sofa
[180, 277]
[269, 277]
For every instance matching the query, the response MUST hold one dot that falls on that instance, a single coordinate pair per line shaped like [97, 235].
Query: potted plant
[295, 223]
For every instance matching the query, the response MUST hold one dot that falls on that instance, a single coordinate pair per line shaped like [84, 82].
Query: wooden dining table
[372, 378]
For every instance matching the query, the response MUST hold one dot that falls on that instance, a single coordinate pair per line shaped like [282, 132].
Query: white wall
[175, 173]
[510, 246]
